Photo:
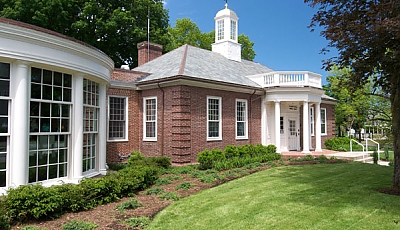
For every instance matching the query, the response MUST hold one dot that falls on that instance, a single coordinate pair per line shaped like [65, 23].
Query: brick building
[65, 112]
[192, 99]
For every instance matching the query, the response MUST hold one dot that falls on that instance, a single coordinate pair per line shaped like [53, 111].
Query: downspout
[162, 121]
[251, 117]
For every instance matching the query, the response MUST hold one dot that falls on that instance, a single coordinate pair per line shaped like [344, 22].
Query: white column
[77, 129]
[263, 122]
[277, 126]
[317, 113]
[19, 120]
[102, 129]
[306, 128]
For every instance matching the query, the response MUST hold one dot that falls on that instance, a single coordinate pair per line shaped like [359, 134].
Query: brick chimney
[148, 51]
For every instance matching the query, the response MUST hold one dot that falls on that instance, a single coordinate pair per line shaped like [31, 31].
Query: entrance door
[294, 137]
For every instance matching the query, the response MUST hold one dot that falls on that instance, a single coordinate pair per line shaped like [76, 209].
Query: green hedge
[29, 202]
[236, 156]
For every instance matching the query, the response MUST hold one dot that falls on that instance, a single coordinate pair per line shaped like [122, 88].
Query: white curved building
[54, 90]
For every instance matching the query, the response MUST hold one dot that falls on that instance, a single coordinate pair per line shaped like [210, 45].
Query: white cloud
[164, 2]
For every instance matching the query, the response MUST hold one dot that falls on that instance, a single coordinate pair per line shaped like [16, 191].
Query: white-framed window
[220, 30]
[50, 120]
[233, 30]
[214, 118]
[90, 124]
[312, 121]
[117, 118]
[4, 120]
[323, 122]
[241, 119]
[150, 119]
[282, 125]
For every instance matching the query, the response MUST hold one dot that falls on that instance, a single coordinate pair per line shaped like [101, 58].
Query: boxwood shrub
[29, 202]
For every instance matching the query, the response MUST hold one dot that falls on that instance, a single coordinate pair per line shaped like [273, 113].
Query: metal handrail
[366, 145]
[351, 147]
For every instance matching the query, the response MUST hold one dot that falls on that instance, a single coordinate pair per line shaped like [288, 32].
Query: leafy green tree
[366, 34]
[113, 26]
[186, 31]
[359, 106]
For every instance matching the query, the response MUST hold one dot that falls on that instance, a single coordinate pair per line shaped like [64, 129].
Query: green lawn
[336, 196]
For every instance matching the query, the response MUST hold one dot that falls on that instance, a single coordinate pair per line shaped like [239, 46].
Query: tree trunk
[395, 100]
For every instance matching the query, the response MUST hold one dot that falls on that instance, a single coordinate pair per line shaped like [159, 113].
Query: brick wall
[182, 133]
[330, 124]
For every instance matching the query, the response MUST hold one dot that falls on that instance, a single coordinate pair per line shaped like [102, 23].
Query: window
[220, 32]
[233, 30]
[117, 124]
[281, 125]
[150, 119]
[50, 115]
[323, 121]
[241, 119]
[4, 120]
[4, 79]
[214, 127]
[90, 124]
[312, 121]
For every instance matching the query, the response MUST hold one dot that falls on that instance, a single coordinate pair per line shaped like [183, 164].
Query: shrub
[253, 165]
[4, 217]
[79, 225]
[209, 179]
[206, 158]
[231, 151]
[154, 191]
[163, 162]
[321, 159]
[172, 178]
[33, 202]
[386, 153]
[341, 144]
[184, 186]
[182, 169]
[375, 156]
[130, 204]
[271, 149]
[138, 222]
[169, 196]
[116, 167]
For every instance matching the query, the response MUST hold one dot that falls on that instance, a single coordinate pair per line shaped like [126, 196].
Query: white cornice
[24, 44]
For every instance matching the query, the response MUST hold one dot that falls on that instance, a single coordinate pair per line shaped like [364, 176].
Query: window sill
[214, 139]
[150, 139]
[117, 140]
[241, 138]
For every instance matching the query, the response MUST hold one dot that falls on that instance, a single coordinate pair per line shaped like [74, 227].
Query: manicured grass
[332, 196]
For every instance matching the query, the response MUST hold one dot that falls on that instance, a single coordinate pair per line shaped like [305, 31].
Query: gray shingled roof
[203, 64]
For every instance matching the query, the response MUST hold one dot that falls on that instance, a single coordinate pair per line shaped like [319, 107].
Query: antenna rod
[148, 33]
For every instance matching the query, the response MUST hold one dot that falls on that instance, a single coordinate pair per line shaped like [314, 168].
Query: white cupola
[226, 35]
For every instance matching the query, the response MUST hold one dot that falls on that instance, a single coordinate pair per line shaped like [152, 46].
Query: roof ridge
[183, 62]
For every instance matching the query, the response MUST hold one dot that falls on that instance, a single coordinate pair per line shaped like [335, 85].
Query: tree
[367, 36]
[357, 107]
[113, 26]
[186, 31]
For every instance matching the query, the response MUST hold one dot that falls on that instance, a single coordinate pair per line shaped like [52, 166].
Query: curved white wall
[25, 47]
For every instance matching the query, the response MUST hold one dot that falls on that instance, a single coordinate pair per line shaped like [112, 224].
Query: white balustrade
[289, 78]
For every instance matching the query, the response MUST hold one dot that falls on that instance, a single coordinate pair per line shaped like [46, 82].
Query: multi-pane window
[281, 125]
[214, 127]
[4, 79]
[90, 124]
[117, 118]
[150, 119]
[50, 118]
[312, 121]
[47, 157]
[4, 120]
[241, 119]
[233, 30]
[220, 30]
[323, 121]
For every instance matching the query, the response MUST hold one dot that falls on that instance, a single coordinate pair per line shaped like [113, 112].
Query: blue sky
[277, 27]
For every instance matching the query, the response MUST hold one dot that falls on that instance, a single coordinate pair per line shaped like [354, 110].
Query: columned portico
[306, 128]
[277, 126]
[102, 129]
